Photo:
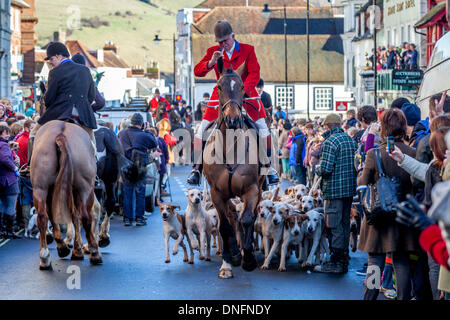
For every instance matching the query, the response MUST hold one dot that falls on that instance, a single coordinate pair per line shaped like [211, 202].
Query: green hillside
[131, 24]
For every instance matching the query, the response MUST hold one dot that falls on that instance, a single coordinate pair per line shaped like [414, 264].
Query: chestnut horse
[229, 179]
[63, 173]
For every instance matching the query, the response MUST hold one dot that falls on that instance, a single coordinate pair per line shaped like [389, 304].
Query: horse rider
[265, 98]
[70, 93]
[234, 55]
[155, 102]
[99, 101]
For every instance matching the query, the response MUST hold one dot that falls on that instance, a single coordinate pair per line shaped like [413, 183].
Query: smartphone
[390, 144]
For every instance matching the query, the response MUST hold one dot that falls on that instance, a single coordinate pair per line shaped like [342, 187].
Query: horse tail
[62, 200]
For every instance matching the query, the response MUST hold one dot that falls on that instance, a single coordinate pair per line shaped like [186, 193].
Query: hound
[265, 208]
[314, 233]
[174, 227]
[217, 239]
[198, 223]
[292, 236]
[273, 230]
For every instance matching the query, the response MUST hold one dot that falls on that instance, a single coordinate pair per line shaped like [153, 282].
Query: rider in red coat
[155, 102]
[236, 56]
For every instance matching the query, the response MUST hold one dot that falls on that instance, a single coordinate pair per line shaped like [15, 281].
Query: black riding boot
[196, 174]
[272, 177]
[9, 227]
[1, 226]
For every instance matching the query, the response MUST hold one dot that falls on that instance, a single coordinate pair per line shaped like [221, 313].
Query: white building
[326, 87]
[5, 57]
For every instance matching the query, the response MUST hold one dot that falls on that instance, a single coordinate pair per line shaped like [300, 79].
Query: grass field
[132, 32]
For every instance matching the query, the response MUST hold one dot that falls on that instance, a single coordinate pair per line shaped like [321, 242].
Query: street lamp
[156, 41]
[266, 14]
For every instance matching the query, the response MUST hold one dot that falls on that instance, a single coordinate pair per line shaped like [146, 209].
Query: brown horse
[236, 179]
[63, 173]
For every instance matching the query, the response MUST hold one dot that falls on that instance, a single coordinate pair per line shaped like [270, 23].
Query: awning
[432, 16]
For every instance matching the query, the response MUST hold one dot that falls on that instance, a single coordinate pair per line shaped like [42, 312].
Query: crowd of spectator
[403, 57]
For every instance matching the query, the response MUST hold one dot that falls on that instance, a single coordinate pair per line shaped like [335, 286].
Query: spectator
[379, 240]
[29, 110]
[412, 57]
[366, 116]
[338, 186]
[201, 107]
[164, 159]
[180, 108]
[9, 186]
[399, 102]
[8, 109]
[416, 129]
[297, 155]
[280, 114]
[282, 141]
[3, 116]
[16, 128]
[391, 58]
[351, 118]
[134, 140]
[23, 142]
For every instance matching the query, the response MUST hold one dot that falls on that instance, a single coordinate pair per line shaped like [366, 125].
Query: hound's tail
[62, 200]
[315, 186]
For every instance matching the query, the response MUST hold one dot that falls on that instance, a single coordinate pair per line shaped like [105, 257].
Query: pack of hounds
[293, 222]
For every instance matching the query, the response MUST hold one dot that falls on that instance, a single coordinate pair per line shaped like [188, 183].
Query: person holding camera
[137, 144]
[389, 237]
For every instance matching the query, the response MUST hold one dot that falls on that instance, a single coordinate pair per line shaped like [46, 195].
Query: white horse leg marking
[225, 265]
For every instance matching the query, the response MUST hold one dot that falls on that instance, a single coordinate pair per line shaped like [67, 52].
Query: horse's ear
[241, 69]
[42, 87]
[220, 65]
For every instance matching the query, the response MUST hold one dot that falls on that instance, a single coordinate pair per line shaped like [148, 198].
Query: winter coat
[336, 165]
[297, 152]
[393, 236]
[282, 144]
[70, 85]
[432, 177]
[8, 178]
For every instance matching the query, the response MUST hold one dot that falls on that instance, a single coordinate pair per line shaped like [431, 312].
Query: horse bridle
[222, 108]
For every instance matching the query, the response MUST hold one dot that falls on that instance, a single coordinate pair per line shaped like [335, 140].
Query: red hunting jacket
[242, 54]
[154, 105]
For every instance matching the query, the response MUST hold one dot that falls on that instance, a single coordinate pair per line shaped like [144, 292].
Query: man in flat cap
[70, 92]
[235, 55]
[338, 186]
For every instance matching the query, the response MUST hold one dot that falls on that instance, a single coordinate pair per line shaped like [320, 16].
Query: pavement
[133, 268]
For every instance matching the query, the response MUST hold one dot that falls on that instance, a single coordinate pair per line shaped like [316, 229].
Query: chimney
[111, 46]
[100, 56]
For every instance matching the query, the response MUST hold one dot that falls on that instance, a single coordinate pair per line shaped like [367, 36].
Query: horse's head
[230, 88]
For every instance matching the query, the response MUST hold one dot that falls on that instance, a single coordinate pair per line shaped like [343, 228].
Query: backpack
[136, 171]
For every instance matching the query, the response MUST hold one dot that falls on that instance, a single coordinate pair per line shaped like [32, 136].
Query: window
[323, 98]
[284, 97]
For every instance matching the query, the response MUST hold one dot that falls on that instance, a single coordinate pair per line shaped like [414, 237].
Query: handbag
[380, 199]
[288, 143]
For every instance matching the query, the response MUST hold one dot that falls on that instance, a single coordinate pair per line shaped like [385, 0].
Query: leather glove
[411, 214]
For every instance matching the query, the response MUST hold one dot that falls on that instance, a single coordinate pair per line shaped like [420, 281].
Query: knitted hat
[78, 58]
[332, 118]
[412, 113]
[399, 102]
[137, 119]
